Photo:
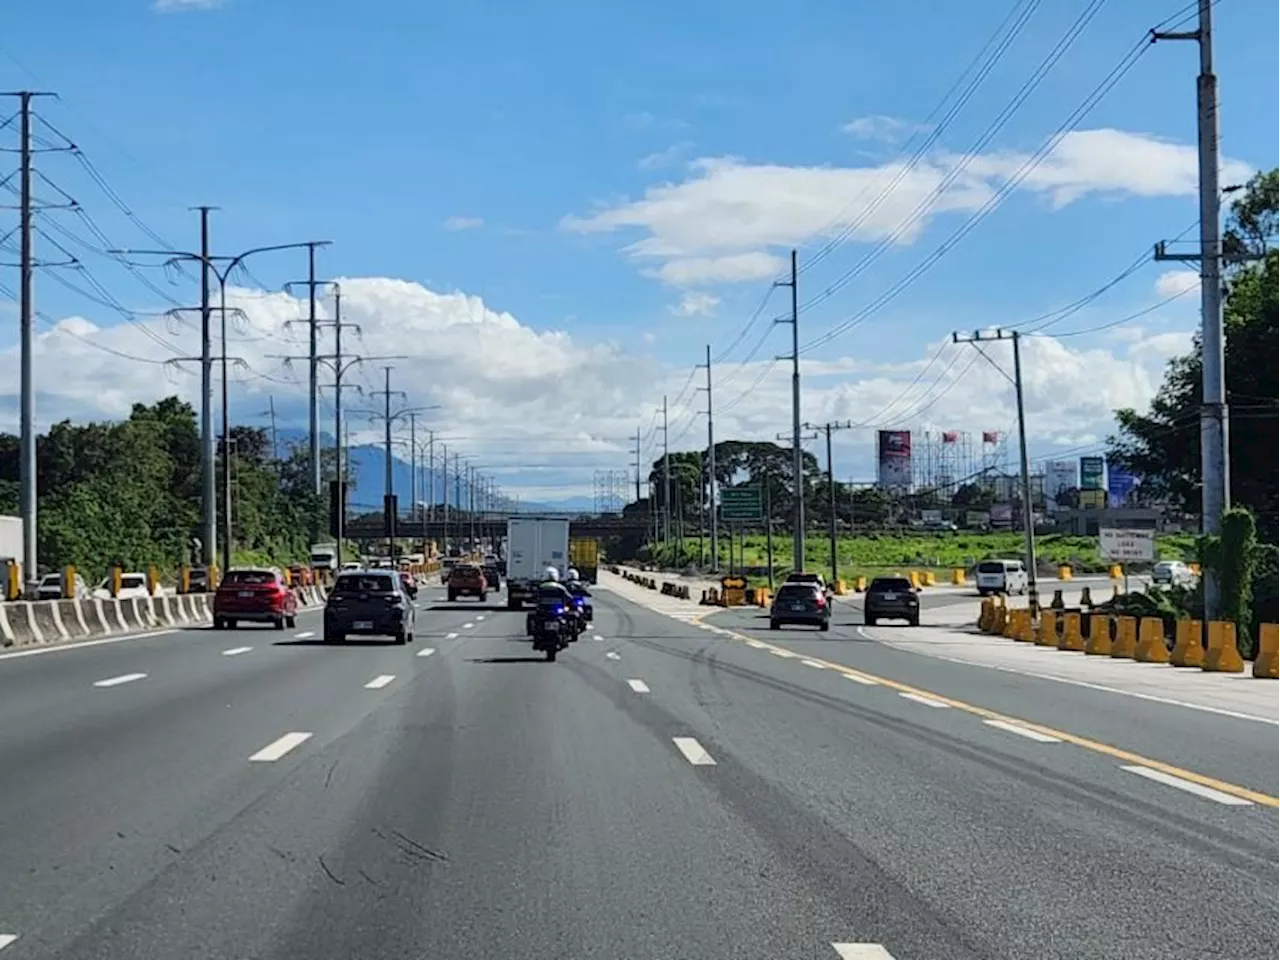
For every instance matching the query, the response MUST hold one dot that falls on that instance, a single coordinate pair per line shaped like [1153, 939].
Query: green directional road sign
[741, 503]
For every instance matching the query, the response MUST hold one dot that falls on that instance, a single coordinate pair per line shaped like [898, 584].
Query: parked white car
[131, 585]
[1173, 573]
[51, 587]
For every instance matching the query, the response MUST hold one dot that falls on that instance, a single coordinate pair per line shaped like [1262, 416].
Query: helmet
[552, 574]
[573, 574]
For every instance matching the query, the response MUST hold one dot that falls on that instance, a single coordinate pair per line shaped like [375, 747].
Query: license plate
[550, 624]
[362, 625]
[797, 606]
[246, 594]
[891, 596]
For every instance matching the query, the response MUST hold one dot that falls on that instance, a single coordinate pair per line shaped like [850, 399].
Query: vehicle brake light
[822, 601]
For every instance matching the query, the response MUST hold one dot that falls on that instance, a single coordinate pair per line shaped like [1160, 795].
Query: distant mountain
[370, 465]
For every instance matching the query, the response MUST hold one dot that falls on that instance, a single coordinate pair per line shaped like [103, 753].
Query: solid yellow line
[1096, 746]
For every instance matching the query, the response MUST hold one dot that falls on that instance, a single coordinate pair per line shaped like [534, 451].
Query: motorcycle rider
[551, 593]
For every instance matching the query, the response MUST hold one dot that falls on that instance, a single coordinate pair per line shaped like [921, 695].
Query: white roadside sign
[1124, 546]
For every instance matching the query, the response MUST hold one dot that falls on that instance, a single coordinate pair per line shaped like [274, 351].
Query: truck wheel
[513, 603]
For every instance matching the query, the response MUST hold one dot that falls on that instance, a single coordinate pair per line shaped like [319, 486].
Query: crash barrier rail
[27, 623]
[1212, 647]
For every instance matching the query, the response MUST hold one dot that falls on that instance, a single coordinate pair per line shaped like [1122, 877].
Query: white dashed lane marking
[480, 617]
[927, 701]
[859, 678]
[278, 748]
[236, 651]
[116, 681]
[1217, 796]
[862, 951]
[426, 651]
[613, 656]
[1030, 734]
[304, 635]
[378, 682]
[779, 652]
[6, 939]
[639, 686]
[467, 626]
[451, 636]
[693, 751]
[597, 637]
[815, 664]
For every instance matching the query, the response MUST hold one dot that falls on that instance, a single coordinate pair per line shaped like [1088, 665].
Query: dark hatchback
[801, 603]
[370, 603]
[891, 598]
[492, 574]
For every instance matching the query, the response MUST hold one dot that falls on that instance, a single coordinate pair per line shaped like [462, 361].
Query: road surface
[665, 790]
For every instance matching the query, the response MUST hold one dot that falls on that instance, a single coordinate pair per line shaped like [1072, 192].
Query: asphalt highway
[664, 790]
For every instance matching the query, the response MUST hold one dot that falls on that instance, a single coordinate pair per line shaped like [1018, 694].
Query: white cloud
[1173, 283]
[464, 223]
[171, 6]
[884, 129]
[663, 158]
[728, 208]
[694, 271]
[696, 305]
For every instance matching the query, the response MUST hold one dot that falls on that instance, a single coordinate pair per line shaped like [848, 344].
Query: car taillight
[822, 601]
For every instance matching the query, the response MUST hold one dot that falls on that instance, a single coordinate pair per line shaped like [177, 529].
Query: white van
[1001, 576]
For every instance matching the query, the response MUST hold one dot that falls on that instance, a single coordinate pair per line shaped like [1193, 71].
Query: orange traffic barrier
[1125, 644]
[1188, 644]
[1047, 636]
[1222, 656]
[1267, 661]
[1071, 639]
[1099, 642]
[1151, 643]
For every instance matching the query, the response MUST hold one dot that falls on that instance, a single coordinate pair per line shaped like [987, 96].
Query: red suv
[258, 594]
[467, 579]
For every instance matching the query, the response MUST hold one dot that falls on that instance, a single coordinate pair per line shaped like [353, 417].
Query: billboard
[894, 460]
[1120, 485]
[1092, 470]
[1059, 475]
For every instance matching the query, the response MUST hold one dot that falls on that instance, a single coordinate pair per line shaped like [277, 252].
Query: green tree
[1163, 444]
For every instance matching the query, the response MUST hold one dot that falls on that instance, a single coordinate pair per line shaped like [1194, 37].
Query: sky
[544, 213]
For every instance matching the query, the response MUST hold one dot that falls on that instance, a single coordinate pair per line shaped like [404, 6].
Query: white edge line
[859, 678]
[862, 951]
[304, 635]
[426, 651]
[1159, 776]
[6, 939]
[1022, 731]
[693, 751]
[639, 686]
[927, 701]
[80, 644]
[815, 664]
[380, 681]
[116, 681]
[278, 748]
[236, 651]
[1170, 701]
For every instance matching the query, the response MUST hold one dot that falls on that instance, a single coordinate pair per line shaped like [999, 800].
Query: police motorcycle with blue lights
[552, 623]
[581, 598]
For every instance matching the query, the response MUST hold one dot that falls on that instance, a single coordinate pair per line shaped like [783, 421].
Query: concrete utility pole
[636, 464]
[977, 338]
[666, 478]
[827, 428]
[1215, 444]
[797, 465]
[711, 469]
[313, 362]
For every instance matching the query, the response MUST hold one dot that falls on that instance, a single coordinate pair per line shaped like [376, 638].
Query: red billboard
[894, 461]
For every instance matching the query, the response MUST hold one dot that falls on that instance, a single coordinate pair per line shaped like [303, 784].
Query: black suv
[369, 603]
[800, 603]
[891, 598]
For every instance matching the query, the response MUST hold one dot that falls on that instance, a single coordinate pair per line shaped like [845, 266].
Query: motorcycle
[553, 630]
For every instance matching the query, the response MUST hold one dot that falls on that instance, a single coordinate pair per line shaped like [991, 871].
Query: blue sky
[374, 124]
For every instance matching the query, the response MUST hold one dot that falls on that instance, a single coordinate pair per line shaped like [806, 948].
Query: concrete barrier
[1188, 644]
[22, 622]
[1151, 645]
[45, 615]
[957, 577]
[164, 610]
[1266, 665]
[203, 614]
[6, 632]
[1099, 642]
[1047, 635]
[1072, 639]
[1065, 572]
[97, 617]
[1125, 645]
[133, 619]
[115, 610]
[71, 613]
[1222, 656]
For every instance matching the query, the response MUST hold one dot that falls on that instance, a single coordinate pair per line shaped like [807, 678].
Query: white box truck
[533, 544]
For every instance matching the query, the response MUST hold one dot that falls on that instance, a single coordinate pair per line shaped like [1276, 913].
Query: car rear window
[796, 591]
[991, 566]
[804, 578]
[133, 583]
[890, 584]
[364, 583]
[250, 577]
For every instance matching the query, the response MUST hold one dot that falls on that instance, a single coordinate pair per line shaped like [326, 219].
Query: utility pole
[415, 512]
[977, 338]
[313, 361]
[275, 444]
[637, 464]
[831, 490]
[28, 494]
[1215, 444]
[208, 481]
[471, 500]
[797, 465]
[711, 469]
[797, 461]
[666, 479]
[444, 481]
